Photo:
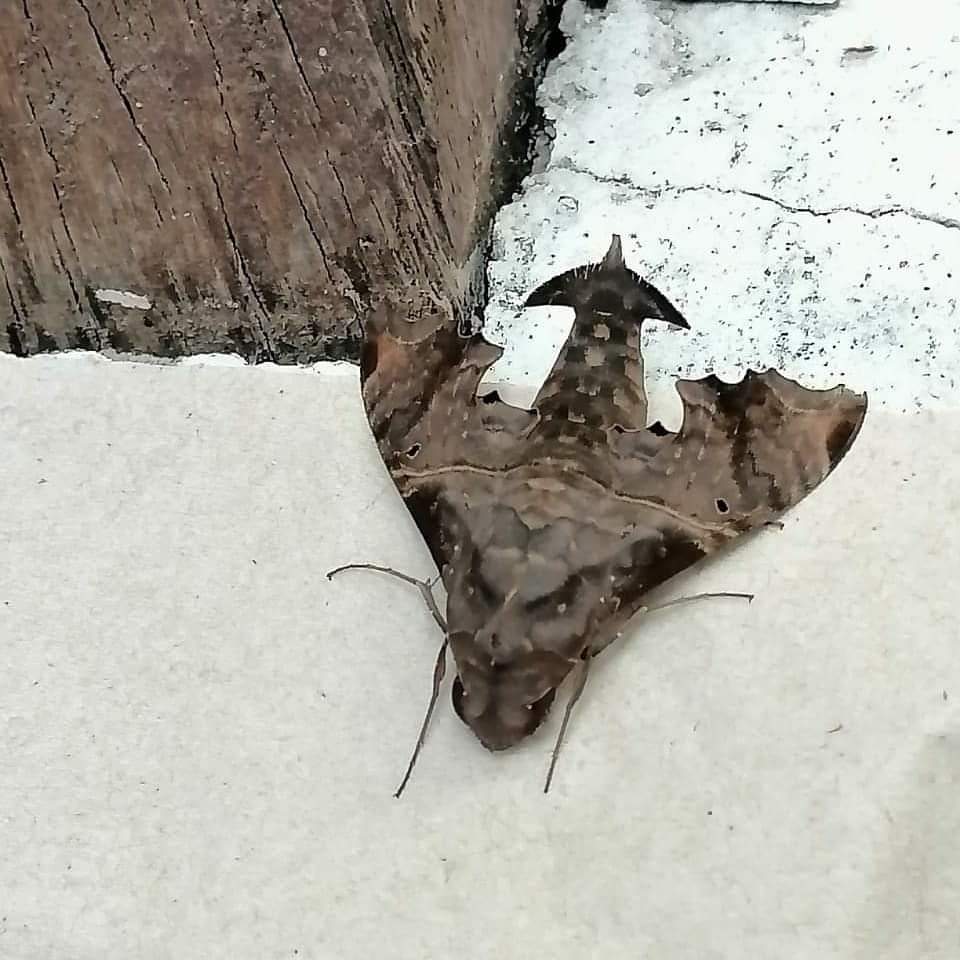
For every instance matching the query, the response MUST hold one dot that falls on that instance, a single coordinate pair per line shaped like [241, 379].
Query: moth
[549, 525]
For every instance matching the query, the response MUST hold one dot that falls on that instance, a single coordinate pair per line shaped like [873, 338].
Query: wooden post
[252, 176]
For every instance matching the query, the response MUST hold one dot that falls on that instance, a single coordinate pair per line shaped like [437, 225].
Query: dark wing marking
[745, 454]
[422, 404]
[746, 451]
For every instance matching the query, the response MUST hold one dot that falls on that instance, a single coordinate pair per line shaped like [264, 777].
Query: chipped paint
[123, 298]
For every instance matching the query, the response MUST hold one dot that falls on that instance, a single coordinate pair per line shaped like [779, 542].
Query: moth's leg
[439, 670]
[582, 669]
[602, 643]
[579, 682]
[696, 596]
[424, 586]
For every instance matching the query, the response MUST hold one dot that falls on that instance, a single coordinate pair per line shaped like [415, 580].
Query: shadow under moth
[550, 525]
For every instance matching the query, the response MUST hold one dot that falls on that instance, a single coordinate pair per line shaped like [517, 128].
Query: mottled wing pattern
[746, 453]
[422, 405]
[549, 526]
[420, 391]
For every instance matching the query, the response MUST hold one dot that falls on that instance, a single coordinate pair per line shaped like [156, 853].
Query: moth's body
[550, 525]
[550, 574]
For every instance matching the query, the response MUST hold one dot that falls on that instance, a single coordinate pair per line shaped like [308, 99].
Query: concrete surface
[199, 735]
[794, 194]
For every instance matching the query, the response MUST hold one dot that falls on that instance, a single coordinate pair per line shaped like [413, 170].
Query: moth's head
[504, 702]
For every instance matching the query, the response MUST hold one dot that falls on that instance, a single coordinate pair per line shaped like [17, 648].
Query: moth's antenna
[582, 668]
[424, 586]
[439, 670]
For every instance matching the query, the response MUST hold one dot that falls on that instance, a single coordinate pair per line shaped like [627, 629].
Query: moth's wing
[597, 379]
[420, 393]
[421, 401]
[746, 452]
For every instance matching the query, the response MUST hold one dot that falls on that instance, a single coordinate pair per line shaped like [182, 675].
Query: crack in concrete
[876, 213]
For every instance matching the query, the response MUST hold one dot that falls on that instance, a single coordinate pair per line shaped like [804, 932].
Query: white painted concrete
[199, 735]
[798, 202]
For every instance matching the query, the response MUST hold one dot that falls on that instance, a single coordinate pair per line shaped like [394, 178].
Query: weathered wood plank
[262, 172]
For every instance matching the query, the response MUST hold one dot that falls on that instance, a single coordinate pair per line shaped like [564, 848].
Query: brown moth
[550, 525]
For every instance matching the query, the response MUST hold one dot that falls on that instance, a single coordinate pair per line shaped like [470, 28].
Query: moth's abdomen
[597, 380]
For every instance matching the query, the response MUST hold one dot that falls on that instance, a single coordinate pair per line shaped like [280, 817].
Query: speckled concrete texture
[785, 174]
[200, 735]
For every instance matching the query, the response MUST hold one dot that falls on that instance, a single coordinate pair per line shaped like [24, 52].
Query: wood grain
[263, 172]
